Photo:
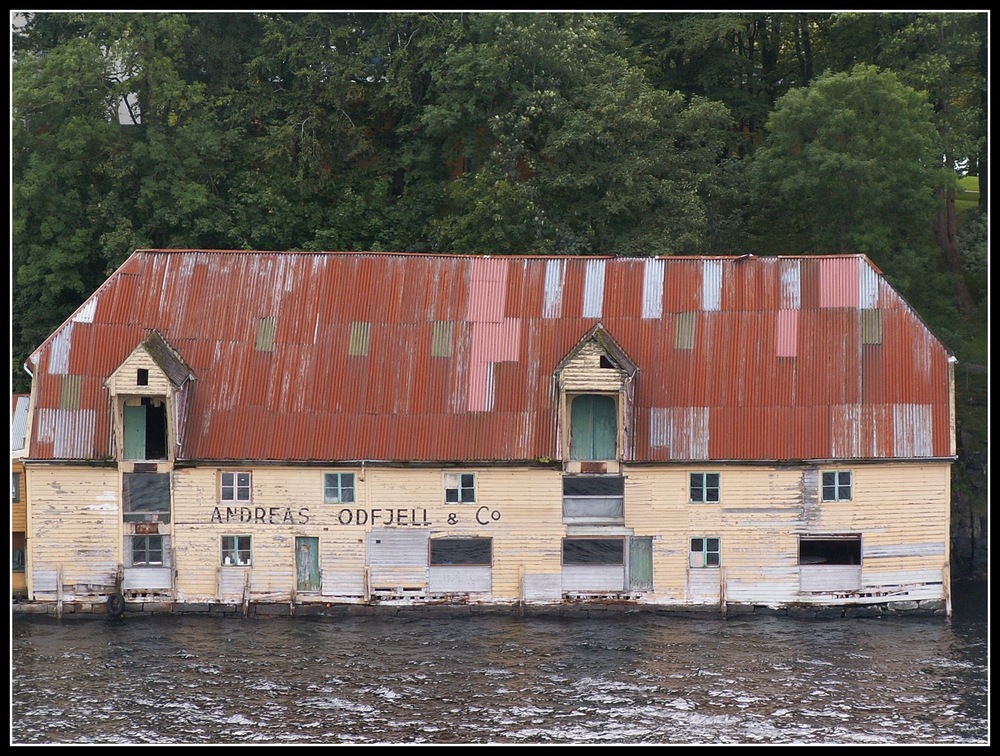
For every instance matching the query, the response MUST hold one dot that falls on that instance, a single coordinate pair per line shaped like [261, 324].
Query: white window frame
[837, 485]
[704, 553]
[237, 546]
[230, 480]
[704, 488]
[338, 487]
[455, 486]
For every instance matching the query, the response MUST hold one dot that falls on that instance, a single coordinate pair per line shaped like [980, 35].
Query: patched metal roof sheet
[391, 356]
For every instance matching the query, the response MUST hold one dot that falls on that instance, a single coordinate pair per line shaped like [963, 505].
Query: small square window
[147, 551]
[705, 487]
[235, 486]
[142, 377]
[705, 552]
[236, 551]
[837, 485]
[338, 488]
[460, 488]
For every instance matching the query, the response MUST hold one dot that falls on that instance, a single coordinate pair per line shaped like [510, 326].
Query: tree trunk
[946, 233]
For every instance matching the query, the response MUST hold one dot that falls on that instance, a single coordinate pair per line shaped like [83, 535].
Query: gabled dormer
[596, 385]
[149, 395]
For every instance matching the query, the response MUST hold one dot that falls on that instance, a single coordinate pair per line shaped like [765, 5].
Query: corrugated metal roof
[391, 356]
[18, 422]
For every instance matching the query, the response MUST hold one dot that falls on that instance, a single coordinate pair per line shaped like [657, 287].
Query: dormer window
[596, 381]
[142, 377]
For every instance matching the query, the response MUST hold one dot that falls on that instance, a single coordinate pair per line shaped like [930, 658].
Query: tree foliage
[568, 133]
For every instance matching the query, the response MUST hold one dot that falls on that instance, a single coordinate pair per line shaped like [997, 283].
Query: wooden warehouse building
[233, 428]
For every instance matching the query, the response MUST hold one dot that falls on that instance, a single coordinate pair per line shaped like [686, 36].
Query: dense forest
[630, 134]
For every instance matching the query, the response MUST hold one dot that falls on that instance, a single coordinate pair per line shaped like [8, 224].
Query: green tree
[532, 133]
[852, 162]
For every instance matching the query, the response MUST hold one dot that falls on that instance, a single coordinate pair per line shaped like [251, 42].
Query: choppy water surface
[490, 679]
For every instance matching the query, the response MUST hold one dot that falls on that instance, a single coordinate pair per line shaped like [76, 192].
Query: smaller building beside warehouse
[236, 430]
[18, 495]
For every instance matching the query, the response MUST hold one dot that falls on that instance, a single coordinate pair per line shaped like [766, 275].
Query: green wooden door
[307, 564]
[640, 564]
[134, 419]
[593, 427]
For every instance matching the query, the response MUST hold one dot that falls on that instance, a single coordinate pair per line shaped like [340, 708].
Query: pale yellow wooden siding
[520, 509]
[75, 526]
[900, 510]
[123, 380]
[584, 372]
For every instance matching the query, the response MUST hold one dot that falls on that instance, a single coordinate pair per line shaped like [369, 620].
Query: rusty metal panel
[839, 282]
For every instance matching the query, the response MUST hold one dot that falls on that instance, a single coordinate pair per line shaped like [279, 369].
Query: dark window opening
[142, 377]
[593, 485]
[594, 551]
[830, 551]
[606, 363]
[462, 551]
[145, 429]
[146, 493]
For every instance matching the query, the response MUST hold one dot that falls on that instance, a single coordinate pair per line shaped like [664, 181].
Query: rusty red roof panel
[385, 356]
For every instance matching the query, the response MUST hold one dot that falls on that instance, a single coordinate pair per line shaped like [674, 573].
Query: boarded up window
[593, 427]
[441, 339]
[684, 330]
[462, 551]
[360, 333]
[69, 394]
[593, 485]
[265, 334]
[871, 326]
[594, 551]
[842, 550]
[146, 493]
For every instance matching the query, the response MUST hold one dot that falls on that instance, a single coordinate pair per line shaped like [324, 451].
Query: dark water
[504, 680]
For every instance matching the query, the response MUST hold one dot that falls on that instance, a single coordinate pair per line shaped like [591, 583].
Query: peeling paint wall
[899, 511]
[75, 526]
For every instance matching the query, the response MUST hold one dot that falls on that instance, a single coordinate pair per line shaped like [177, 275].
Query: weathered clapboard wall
[900, 510]
[74, 529]
[519, 508]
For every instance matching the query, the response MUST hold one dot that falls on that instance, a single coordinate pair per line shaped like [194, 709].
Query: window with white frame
[460, 488]
[705, 552]
[704, 487]
[338, 488]
[234, 486]
[15, 487]
[236, 551]
[837, 485]
[147, 551]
